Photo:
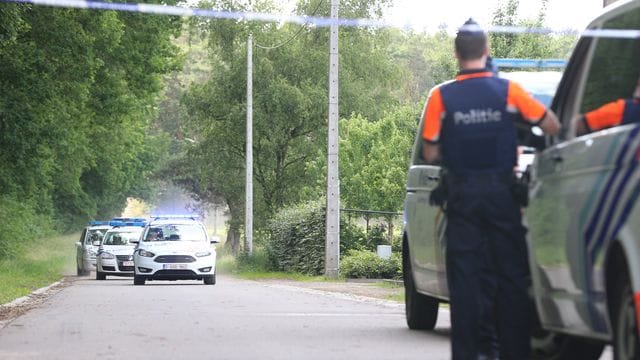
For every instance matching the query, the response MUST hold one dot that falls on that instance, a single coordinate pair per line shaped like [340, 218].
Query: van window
[615, 66]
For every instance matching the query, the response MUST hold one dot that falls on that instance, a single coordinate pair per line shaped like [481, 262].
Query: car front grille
[125, 268]
[174, 259]
[108, 268]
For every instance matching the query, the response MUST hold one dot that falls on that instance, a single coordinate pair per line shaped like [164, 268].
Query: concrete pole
[332, 242]
[248, 204]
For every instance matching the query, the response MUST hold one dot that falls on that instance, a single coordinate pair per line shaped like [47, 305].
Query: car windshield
[176, 232]
[94, 235]
[541, 84]
[121, 238]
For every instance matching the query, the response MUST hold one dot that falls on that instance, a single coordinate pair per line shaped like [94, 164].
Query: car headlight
[106, 255]
[92, 252]
[203, 253]
[145, 253]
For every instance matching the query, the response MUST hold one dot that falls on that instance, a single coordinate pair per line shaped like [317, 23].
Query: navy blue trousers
[487, 269]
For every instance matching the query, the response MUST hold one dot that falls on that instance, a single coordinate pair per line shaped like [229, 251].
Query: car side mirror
[96, 243]
[134, 241]
[214, 239]
[78, 244]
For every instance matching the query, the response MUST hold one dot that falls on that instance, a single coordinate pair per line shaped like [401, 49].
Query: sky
[428, 14]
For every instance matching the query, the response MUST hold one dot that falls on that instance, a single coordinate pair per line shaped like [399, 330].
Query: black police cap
[471, 28]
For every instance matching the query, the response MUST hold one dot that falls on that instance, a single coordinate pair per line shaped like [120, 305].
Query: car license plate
[174, 266]
[127, 263]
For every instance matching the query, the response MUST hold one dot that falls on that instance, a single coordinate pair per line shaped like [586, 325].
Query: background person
[618, 112]
[469, 123]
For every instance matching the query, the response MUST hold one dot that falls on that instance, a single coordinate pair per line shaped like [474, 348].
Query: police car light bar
[192, 217]
[530, 63]
[135, 219]
[138, 222]
[98, 223]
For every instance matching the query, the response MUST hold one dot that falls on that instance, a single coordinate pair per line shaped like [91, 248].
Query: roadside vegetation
[40, 266]
[114, 105]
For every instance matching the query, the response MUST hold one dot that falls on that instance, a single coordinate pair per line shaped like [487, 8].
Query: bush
[297, 239]
[367, 264]
[352, 237]
[378, 235]
[20, 226]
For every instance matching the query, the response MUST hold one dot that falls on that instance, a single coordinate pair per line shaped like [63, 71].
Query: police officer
[618, 112]
[469, 127]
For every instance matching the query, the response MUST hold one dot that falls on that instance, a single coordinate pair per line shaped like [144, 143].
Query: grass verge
[43, 264]
[257, 268]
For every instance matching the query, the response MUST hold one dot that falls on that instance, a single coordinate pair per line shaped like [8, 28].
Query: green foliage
[426, 60]
[47, 259]
[297, 242]
[367, 264]
[289, 103]
[378, 235]
[528, 46]
[352, 237]
[76, 109]
[373, 160]
[20, 227]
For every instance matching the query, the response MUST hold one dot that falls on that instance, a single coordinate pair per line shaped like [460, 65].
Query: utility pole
[248, 204]
[332, 242]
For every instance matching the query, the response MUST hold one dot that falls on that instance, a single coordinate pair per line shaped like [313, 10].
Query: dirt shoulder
[376, 289]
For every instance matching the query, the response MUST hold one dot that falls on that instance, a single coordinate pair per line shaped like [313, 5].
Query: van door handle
[433, 178]
[557, 158]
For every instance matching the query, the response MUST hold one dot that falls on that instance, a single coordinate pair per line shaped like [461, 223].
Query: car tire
[421, 311]
[100, 275]
[138, 280]
[209, 279]
[626, 344]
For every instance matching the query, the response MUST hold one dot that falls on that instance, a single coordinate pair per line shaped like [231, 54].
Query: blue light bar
[192, 217]
[530, 63]
[98, 223]
[135, 219]
[138, 222]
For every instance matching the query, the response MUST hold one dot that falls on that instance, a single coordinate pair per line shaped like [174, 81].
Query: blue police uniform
[472, 119]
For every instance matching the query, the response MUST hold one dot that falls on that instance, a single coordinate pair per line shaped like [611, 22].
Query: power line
[294, 35]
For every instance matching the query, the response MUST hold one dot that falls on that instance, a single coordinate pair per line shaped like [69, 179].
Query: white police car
[86, 250]
[175, 248]
[115, 253]
[584, 234]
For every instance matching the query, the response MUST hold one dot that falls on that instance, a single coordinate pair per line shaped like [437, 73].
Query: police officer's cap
[471, 28]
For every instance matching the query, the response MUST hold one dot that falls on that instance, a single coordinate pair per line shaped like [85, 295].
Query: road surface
[235, 319]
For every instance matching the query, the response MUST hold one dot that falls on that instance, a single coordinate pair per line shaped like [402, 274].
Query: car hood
[176, 247]
[119, 249]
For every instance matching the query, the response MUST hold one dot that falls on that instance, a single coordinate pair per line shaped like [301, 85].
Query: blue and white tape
[317, 21]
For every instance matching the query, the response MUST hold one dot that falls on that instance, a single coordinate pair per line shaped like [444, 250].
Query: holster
[520, 188]
[440, 194]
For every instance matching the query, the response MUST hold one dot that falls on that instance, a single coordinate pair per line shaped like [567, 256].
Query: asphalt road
[235, 319]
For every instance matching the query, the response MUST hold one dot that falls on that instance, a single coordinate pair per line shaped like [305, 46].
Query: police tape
[317, 21]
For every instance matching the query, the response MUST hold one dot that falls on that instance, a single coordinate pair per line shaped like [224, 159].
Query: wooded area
[99, 106]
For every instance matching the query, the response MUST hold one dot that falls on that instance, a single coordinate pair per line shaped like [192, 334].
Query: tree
[528, 45]
[290, 101]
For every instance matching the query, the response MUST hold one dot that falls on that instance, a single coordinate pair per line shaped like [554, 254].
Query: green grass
[256, 268]
[43, 264]
[388, 285]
